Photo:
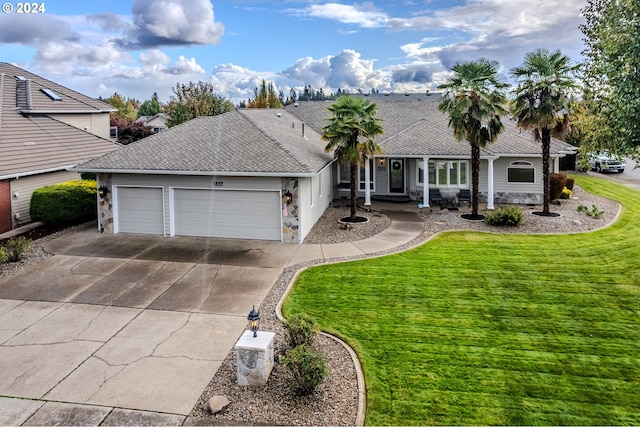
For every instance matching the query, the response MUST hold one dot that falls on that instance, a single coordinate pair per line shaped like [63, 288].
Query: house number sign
[218, 183]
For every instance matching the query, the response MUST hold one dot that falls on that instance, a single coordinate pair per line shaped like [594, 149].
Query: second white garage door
[237, 214]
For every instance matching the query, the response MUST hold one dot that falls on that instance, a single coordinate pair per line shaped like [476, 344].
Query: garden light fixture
[254, 320]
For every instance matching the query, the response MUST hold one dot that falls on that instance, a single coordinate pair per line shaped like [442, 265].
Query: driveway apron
[134, 322]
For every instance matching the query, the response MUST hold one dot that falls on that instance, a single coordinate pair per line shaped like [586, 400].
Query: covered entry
[237, 214]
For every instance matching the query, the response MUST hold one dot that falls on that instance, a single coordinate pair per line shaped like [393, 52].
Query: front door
[396, 176]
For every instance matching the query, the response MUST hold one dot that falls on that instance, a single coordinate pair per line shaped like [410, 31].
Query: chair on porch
[464, 196]
[436, 197]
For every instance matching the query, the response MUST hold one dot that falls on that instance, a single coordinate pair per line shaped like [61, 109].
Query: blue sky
[138, 47]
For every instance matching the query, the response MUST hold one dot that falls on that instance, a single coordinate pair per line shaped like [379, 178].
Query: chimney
[302, 129]
[23, 94]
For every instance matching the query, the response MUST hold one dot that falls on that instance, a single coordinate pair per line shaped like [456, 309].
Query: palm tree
[350, 132]
[475, 100]
[545, 80]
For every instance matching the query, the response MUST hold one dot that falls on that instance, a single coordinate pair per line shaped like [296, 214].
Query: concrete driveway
[131, 322]
[129, 329]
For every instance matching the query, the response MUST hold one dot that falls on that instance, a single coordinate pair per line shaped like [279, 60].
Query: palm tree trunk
[475, 178]
[353, 183]
[546, 143]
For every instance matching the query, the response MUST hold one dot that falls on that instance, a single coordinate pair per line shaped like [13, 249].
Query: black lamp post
[254, 320]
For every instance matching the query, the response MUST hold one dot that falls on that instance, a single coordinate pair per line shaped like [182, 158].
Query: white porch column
[425, 182]
[490, 183]
[556, 165]
[367, 183]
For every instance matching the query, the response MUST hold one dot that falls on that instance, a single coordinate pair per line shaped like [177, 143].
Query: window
[445, 173]
[521, 171]
[344, 181]
[361, 177]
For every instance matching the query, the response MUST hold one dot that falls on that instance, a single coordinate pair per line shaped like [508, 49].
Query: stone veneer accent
[499, 197]
[105, 205]
[290, 218]
[254, 357]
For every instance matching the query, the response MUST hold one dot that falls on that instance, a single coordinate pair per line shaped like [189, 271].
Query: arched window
[521, 171]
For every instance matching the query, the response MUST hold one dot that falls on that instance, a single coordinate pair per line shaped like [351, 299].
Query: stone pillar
[254, 357]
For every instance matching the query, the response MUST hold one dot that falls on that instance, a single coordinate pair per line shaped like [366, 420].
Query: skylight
[51, 94]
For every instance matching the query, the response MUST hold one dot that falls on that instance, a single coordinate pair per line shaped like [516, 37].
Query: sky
[140, 47]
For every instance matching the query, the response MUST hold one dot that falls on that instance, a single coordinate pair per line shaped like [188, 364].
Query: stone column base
[254, 357]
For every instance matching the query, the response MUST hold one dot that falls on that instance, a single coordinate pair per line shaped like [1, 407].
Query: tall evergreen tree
[352, 127]
[545, 81]
[475, 101]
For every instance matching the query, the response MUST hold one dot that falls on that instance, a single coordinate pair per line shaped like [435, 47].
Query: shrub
[16, 247]
[509, 215]
[3, 255]
[566, 194]
[307, 367]
[569, 183]
[557, 181]
[69, 203]
[594, 212]
[88, 176]
[300, 329]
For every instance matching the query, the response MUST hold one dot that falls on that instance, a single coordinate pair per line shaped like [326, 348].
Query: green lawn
[474, 328]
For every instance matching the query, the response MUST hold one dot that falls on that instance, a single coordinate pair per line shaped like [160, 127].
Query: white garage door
[234, 214]
[140, 210]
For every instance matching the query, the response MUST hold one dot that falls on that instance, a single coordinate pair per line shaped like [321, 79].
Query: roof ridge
[278, 144]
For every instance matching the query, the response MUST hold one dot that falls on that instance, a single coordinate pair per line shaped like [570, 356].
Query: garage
[139, 210]
[238, 214]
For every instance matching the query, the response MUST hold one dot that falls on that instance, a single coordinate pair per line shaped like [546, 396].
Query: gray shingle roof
[251, 141]
[413, 126]
[37, 143]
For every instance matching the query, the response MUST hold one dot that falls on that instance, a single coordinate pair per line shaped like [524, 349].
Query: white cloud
[185, 66]
[172, 23]
[364, 15]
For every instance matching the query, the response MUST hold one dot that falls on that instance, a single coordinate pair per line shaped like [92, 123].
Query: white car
[604, 162]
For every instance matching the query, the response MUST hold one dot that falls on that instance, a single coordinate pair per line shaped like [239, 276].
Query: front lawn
[475, 329]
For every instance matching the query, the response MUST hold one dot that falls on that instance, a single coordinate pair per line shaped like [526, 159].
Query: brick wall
[5, 206]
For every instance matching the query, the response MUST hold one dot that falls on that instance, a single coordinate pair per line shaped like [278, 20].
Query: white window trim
[433, 165]
[521, 164]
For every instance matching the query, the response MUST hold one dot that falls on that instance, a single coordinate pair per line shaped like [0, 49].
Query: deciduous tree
[194, 100]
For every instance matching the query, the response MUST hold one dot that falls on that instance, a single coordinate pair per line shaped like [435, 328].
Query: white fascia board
[37, 172]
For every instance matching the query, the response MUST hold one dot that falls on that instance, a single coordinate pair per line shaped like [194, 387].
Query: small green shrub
[16, 247]
[557, 181]
[594, 212]
[3, 255]
[69, 203]
[307, 367]
[566, 194]
[88, 176]
[508, 215]
[300, 329]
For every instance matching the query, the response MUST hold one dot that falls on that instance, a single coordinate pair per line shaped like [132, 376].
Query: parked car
[604, 162]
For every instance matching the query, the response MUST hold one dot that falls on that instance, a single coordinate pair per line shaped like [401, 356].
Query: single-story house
[263, 173]
[45, 129]
[158, 122]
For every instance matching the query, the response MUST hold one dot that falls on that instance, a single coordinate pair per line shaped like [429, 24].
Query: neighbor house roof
[36, 94]
[414, 127]
[247, 142]
[36, 143]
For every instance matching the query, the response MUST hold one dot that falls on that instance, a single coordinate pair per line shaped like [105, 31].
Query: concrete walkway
[125, 329]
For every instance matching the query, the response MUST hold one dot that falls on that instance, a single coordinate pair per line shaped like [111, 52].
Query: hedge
[69, 203]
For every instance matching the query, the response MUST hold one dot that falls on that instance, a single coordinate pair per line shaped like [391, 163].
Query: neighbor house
[264, 174]
[45, 129]
[158, 122]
